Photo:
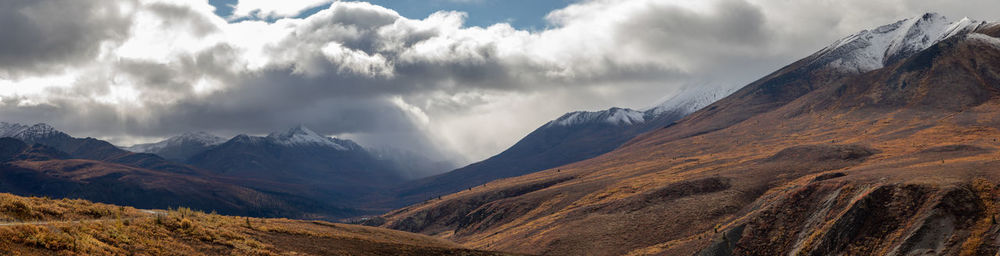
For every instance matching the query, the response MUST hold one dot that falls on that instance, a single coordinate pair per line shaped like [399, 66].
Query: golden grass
[987, 193]
[40, 226]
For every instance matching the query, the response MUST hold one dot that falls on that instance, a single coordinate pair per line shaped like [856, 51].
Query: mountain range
[40, 170]
[883, 143]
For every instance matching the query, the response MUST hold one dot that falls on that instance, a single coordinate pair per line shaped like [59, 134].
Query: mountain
[317, 175]
[884, 143]
[90, 148]
[179, 148]
[300, 161]
[40, 170]
[570, 138]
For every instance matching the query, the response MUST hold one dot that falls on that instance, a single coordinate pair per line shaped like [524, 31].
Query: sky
[453, 79]
[521, 14]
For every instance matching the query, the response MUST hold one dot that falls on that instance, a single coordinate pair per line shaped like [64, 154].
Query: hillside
[37, 226]
[895, 157]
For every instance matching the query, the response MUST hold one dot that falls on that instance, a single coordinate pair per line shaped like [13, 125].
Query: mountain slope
[570, 138]
[813, 159]
[853, 55]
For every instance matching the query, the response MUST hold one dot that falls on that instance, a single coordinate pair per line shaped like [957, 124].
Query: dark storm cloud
[43, 35]
[734, 25]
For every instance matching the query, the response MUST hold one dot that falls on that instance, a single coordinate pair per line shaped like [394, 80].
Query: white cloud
[274, 9]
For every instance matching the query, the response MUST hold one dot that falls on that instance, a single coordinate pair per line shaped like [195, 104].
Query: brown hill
[901, 160]
[37, 226]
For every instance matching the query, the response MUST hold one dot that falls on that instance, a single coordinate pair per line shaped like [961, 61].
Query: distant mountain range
[297, 163]
[305, 164]
[314, 175]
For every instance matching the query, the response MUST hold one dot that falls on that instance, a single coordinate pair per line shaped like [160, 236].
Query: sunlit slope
[903, 159]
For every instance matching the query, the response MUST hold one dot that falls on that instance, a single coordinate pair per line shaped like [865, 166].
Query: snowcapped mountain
[88, 148]
[29, 133]
[687, 101]
[873, 49]
[181, 147]
[300, 161]
[302, 136]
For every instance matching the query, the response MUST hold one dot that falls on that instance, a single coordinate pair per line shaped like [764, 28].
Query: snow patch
[627, 117]
[690, 100]
[11, 129]
[615, 116]
[201, 138]
[302, 136]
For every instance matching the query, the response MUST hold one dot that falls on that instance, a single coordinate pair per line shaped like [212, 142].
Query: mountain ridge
[808, 160]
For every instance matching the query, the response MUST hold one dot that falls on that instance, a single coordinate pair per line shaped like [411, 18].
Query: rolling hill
[37, 226]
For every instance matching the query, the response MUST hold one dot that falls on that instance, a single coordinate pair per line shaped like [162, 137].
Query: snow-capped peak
[615, 116]
[873, 49]
[201, 138]
[37, 131]
[301, 135]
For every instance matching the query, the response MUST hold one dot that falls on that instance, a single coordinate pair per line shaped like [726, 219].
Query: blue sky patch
[522, 14]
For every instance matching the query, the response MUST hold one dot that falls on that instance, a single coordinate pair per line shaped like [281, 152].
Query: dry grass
[39, 226]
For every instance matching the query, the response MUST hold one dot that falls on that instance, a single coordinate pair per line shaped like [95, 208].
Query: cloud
[274, 9]
[133, 71]
[45, 35]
